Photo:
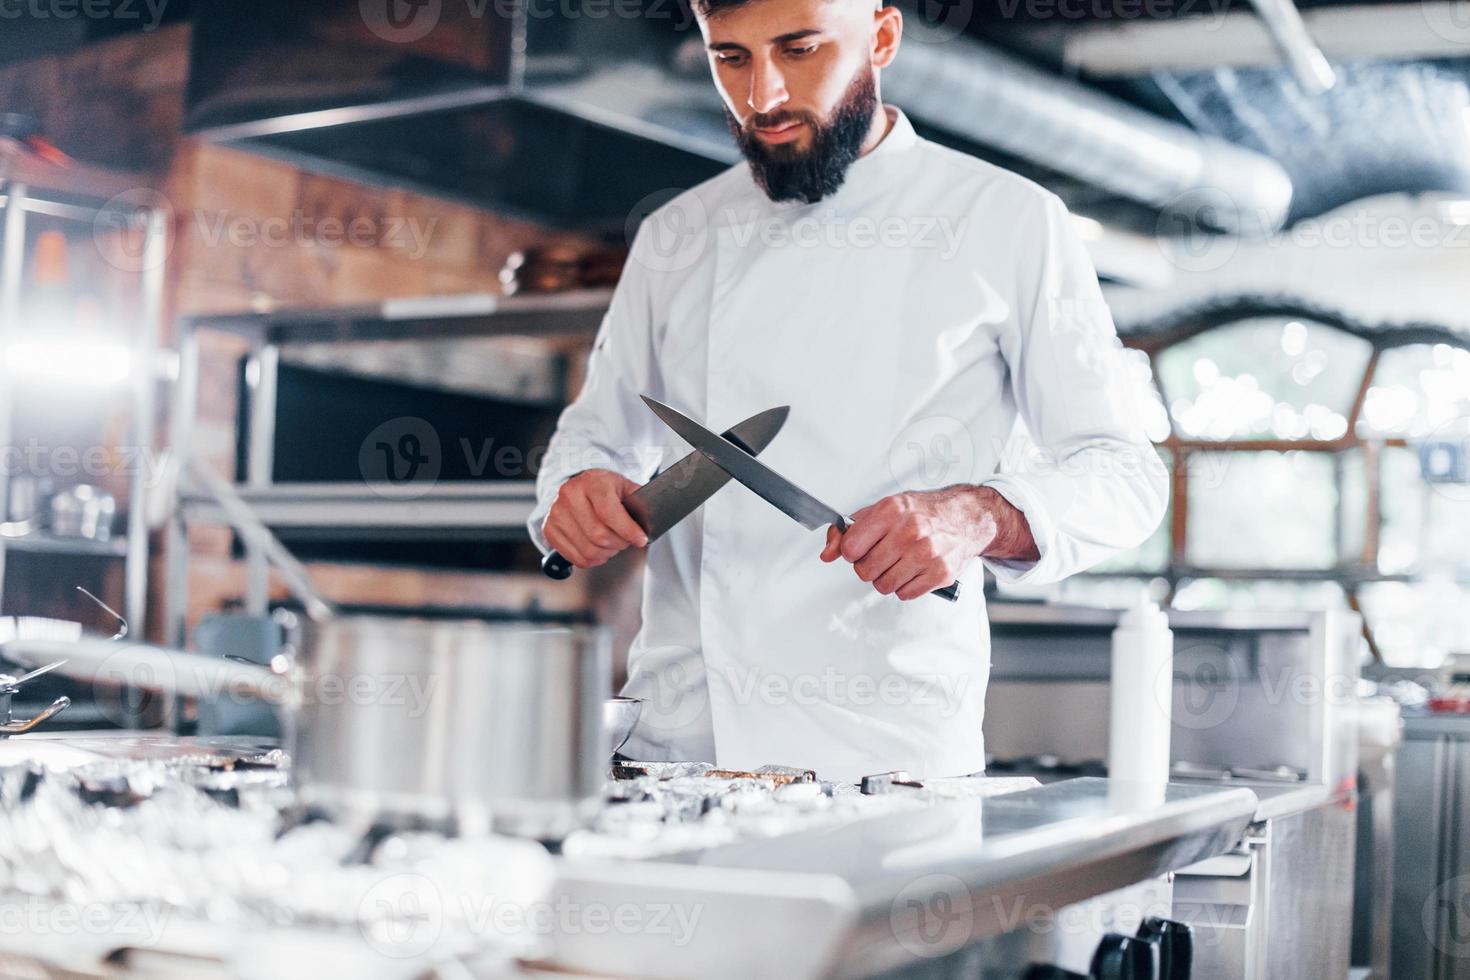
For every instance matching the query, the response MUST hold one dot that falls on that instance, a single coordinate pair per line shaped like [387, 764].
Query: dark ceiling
[1386, 126]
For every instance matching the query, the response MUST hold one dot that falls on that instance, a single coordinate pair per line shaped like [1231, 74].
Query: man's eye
[801, 52]
[733, 60]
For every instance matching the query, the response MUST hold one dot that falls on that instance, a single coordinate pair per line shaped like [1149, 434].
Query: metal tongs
[10, 686]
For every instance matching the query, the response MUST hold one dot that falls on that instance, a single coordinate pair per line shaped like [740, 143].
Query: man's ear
[887, 35]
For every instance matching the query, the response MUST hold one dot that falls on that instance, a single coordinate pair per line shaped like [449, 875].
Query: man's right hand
[589, 523]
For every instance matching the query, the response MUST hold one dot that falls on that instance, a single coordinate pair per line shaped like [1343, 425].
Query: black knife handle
[554, 566]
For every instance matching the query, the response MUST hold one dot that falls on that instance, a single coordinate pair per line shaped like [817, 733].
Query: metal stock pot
[469, 723]
[463, 726]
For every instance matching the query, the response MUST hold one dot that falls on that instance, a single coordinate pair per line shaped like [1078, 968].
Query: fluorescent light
[91, 364]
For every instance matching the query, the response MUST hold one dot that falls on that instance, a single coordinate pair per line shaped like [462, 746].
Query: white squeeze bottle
[1142, 695]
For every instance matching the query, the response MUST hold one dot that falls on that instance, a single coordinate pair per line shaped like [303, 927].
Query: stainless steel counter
[1276, 799]
[890, 892]
[857, 898]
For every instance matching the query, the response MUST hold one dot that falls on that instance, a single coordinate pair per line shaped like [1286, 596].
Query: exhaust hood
[583, 113]
[510, 105]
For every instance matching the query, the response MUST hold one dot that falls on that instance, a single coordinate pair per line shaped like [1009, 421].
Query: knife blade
[679, 490]
[765, 482]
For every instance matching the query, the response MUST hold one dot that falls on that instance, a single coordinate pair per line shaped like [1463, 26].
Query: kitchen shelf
[1343, 575]
[455, 511]
[49, 544]
[482, 511]
[570, 313]
[34, 191]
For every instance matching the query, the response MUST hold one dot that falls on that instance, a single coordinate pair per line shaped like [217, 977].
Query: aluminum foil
[195, 844]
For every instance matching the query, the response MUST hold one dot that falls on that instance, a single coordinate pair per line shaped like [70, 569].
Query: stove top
[656, 809]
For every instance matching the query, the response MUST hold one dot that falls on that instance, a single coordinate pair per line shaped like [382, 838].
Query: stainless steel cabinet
[1431, 894]
[1278, 908]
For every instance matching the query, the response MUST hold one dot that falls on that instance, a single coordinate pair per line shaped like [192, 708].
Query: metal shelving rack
[18, 200]
[445, 511]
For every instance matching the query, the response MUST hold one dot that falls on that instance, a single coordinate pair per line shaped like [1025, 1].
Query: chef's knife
[679, 490]
[774, 488]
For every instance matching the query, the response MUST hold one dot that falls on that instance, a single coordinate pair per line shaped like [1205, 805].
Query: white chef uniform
[906, 320]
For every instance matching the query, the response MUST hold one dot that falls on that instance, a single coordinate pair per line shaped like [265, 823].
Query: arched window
[1315, 462]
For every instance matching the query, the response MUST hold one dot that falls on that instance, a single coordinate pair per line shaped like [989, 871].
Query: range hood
[584, 113]
[509, 105]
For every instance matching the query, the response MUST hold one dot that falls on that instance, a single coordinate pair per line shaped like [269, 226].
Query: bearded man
[909, 303]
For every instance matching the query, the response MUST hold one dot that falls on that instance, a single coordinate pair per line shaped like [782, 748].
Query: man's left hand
[913, 543]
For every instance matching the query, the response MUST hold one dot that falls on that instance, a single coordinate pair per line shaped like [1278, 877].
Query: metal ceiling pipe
[984, 95]
[1308, 64]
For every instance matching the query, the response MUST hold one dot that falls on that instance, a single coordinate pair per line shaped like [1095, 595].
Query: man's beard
[787, 173]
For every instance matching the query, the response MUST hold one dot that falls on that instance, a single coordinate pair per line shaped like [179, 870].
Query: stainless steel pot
[469, 724]
[462, 726]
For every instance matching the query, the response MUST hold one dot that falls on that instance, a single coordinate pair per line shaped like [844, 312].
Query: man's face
[798, 81]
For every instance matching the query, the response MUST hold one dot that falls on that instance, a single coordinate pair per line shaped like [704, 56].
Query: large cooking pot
[463, 726]
[465, 723]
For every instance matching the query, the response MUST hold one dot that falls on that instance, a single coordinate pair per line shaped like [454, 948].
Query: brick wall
[120, 104]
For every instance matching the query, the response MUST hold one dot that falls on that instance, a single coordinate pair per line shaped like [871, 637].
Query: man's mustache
[774, 120]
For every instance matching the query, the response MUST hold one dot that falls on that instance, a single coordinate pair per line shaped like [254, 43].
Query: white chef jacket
[907, 320]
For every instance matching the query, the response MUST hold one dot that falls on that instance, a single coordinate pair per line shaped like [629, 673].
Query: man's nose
[767, 89]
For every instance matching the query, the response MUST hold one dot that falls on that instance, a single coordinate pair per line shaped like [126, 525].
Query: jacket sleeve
[1095, 486]
[607, 426]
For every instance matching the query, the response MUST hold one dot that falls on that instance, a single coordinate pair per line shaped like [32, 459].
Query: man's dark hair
[709, 8]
